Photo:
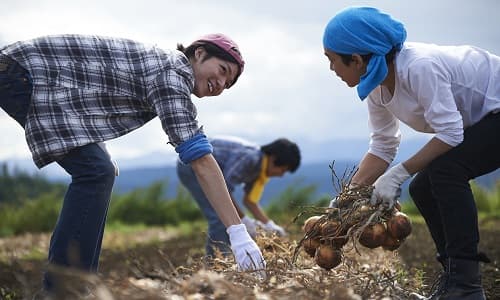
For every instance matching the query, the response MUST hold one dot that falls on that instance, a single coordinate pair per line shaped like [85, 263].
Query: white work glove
[251, 225]
[246, 252]
[270, 226]
[388, 186]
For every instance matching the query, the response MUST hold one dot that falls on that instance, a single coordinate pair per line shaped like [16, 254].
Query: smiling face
[350, 73]
[212, 75]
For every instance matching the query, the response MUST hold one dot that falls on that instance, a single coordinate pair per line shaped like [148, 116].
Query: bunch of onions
[326, 235]
[323, 241]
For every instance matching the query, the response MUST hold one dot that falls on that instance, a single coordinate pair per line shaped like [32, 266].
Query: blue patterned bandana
[365, 30]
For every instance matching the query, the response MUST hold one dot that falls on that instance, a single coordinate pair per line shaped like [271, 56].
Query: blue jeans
[444, 197]
[77, 237]
[217, 236]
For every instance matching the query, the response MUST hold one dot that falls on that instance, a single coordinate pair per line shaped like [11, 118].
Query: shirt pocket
[99, 78]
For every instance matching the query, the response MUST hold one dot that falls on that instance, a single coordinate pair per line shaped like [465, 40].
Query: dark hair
[212, 51]
[286, 153]
[389, 57]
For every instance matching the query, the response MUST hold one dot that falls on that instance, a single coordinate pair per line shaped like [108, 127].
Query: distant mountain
[317, 174]
[314, 170]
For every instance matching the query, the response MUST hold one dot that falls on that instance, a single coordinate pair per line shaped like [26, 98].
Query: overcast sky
[287, 88]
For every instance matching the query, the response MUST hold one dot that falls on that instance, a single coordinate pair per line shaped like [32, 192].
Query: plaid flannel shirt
[239, 160]
[88, 89]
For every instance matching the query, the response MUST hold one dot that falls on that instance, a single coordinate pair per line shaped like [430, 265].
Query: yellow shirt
[258, 186]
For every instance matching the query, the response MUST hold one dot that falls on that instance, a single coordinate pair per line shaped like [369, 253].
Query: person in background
[452, 92]
[71, 93]
[242, 163]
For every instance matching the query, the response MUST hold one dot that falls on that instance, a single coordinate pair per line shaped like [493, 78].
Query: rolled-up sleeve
[385, 134]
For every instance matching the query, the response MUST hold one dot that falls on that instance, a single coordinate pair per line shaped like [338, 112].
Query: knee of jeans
[105, 170]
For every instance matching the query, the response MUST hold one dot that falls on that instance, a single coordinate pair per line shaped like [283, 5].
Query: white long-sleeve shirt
[438, 89]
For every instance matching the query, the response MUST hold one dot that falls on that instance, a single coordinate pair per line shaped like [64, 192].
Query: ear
[358, 60]
[271, 161]
[199, 53]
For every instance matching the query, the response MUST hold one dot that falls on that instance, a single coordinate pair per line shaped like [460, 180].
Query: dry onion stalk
[327, 233]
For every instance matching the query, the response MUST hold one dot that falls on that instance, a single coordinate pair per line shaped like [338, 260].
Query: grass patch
[35, 254]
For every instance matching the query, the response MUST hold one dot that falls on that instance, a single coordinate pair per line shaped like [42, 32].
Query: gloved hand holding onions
[352, 216]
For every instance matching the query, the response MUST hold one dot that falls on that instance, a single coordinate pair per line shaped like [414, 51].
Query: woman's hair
[389, 57]
[212, 51]
[285, 152]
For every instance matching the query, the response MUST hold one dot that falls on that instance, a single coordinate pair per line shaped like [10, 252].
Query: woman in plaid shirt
[72, 92]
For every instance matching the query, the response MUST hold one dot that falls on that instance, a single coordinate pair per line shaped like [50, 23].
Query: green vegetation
[147, 206]
[294, 200]
[30, 203]
[16, 186]
[487, 202]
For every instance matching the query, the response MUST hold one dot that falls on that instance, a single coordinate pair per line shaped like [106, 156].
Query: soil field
[172, 267]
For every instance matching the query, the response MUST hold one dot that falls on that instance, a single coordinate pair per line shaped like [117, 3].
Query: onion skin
[399, 226]
[327, 257]
[332, 231]
[309, 223]
[330, 228]
[339, 241]
[373, 235]
[310, 245]
[391, 243]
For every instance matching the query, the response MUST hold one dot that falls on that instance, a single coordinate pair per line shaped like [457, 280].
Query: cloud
[287, 88]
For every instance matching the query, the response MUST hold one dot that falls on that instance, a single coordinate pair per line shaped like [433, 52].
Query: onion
[399, 226]
[391, 243]
[332, 231]
[339, 241]
[309, 223]
[373, 235]
[364, 208]
[310, 246]
[327, 257]
[329, 228]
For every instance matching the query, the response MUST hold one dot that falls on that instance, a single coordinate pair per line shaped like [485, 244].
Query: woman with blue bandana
[452, 92]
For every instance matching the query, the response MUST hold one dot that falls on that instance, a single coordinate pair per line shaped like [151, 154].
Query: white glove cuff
[238, 234]
[246, 219]
[400, 173]
[270, 223]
